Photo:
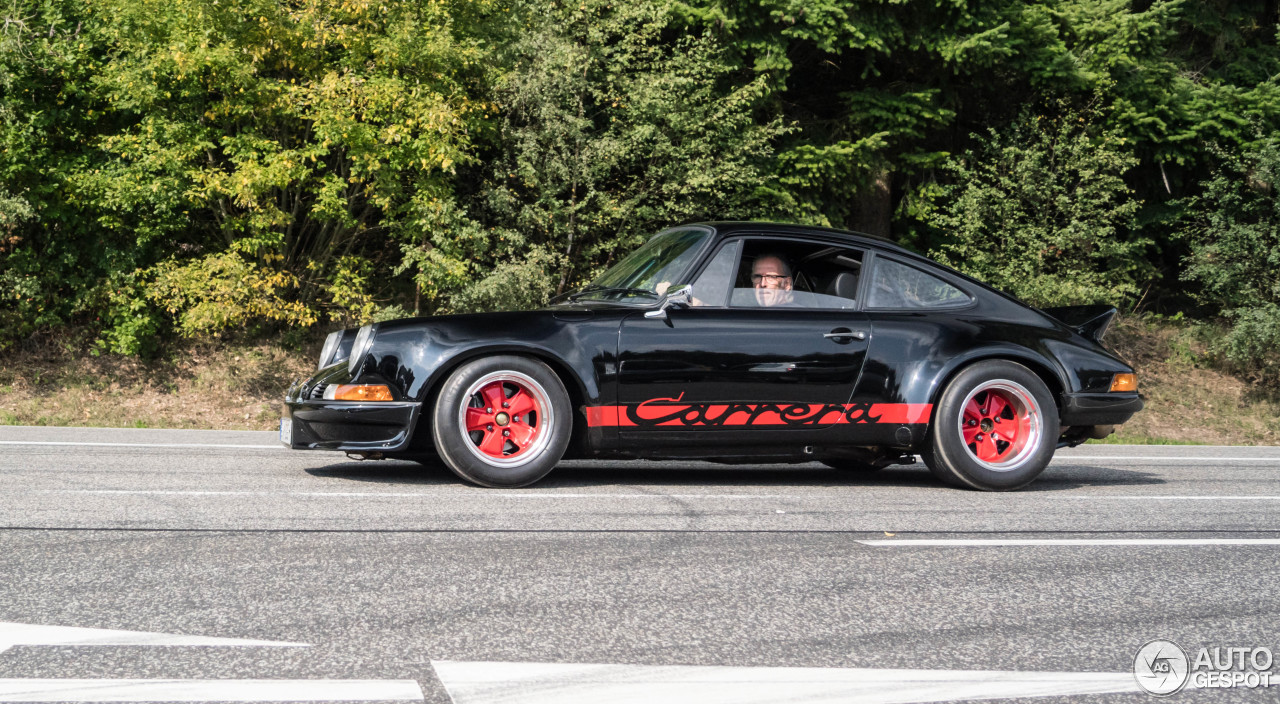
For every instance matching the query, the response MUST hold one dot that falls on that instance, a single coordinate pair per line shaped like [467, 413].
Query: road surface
[143, 565]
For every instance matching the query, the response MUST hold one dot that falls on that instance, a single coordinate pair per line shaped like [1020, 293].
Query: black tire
[486, 456]
[852, 466]
[1006, 437]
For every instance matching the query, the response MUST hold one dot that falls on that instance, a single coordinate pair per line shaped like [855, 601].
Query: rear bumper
[351, 425]
[1099, 408]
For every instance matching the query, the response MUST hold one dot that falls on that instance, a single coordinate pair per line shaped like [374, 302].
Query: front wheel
[994, 428]
[502, 421]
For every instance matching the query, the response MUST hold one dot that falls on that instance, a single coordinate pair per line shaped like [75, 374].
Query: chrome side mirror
[680, 296]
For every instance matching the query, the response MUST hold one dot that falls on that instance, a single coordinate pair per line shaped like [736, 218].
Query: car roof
[735, 227]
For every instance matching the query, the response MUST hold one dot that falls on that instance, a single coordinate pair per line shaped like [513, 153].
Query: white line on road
[12, 634]
[545, 683]
[417, 494]
[465, 493]
[1058, 459]
[1144, 458]
[1073, 542]
[1157, 497]
[177, 445]
[108, 690]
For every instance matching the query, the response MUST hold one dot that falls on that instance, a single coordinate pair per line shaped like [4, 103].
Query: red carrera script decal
[678, 413]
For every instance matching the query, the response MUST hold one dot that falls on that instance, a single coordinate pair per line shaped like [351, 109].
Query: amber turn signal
[362, 392]
[1125, 382]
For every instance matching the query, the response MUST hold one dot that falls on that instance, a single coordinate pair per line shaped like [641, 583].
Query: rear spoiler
[1090, 321]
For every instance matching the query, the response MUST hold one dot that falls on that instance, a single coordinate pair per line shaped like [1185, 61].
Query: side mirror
[680, 296]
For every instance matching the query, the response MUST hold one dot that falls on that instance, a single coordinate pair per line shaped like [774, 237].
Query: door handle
[841, 333]
[779, 367]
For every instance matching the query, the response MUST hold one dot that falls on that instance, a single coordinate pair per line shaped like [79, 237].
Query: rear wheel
[502, 421]
[995, 428]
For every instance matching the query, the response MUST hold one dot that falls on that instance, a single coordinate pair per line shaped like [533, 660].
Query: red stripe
[902, 412]
[607, 416]
[895, 413]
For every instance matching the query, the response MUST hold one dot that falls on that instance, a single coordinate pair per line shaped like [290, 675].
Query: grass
[1127, 439]
[1190, 400]
[209, 385]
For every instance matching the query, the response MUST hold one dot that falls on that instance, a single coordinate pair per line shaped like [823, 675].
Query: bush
[1041, 210]
[1235, 256]
[519, 285]
[225, 291]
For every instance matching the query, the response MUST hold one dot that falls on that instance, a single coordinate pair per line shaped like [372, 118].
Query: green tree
[615, 126]
[1235, 255]
[882, 91]
[237, 138]
[1041, 210]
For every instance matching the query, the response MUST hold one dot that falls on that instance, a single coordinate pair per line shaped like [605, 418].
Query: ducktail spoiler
[1090, 321]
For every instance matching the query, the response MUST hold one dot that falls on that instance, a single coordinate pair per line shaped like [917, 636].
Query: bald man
[771, 278]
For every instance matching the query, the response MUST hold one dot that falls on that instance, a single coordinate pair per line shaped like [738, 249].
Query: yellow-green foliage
[221, 291]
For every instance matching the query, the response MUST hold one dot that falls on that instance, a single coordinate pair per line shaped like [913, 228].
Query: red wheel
[504, 417]
[1000, 424]
[994, 427]
[502, 421]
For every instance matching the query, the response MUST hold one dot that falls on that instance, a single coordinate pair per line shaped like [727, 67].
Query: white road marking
[109, 690]
[545, 683]
[1145, 458]
[1059, 458]
[12, 634]
[1157, 497]
[1017, 542]
[178, 445]
[418, 494]
[544, 495]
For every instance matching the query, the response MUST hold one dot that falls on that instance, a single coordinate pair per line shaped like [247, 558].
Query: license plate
[286, 431]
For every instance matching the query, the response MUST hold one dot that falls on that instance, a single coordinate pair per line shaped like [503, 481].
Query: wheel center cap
[502, 418]
[986, 425]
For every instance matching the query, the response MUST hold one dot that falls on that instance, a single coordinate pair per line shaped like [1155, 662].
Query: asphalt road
[610, 581]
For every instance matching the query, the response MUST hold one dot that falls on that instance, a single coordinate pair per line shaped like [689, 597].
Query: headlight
[364, 339]
[330, 346]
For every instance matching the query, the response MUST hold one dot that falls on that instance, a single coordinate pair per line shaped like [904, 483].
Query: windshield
[652, 268]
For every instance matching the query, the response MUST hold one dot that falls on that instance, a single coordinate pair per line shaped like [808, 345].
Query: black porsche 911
[730, 342]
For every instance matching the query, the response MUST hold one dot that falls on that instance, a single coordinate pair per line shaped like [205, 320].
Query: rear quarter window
[897, 285]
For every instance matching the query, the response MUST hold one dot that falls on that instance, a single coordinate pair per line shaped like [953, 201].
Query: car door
[728, 370]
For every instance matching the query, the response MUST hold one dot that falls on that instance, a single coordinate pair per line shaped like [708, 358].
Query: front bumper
[383, 426]
[1099, 408]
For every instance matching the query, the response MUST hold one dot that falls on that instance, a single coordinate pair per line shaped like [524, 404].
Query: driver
[771, 278]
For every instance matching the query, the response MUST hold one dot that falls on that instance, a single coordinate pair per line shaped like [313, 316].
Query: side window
[789, 274]
[895, 285]
[712, 286]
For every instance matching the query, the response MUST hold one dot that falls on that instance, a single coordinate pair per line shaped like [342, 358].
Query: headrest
[844, 285]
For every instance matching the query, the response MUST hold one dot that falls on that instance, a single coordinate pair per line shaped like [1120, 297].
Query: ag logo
[1161, 667]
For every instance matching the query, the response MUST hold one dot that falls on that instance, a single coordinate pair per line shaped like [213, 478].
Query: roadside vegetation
[178, 174]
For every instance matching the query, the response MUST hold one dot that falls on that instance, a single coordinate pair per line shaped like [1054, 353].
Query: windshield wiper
[608, 289]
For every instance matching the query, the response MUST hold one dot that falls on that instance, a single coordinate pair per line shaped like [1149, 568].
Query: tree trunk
[873, 211]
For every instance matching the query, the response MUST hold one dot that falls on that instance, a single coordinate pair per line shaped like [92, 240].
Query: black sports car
[731, 342]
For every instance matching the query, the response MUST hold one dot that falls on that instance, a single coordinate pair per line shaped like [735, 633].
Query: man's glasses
[772, 278]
